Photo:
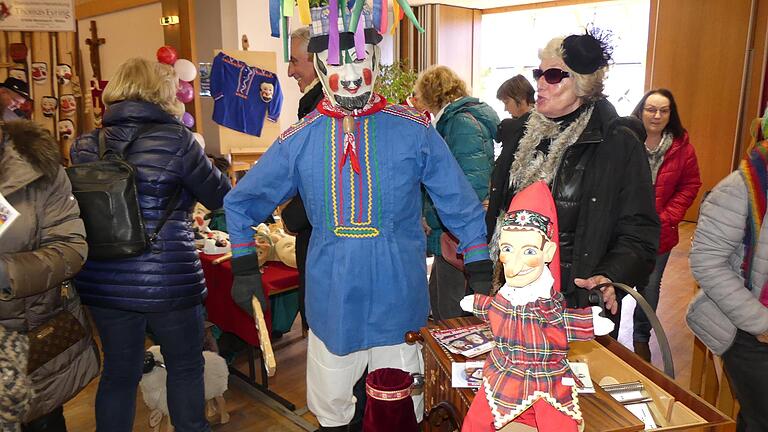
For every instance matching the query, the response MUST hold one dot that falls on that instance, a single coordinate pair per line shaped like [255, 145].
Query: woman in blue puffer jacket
[468, 126]
[163, 288]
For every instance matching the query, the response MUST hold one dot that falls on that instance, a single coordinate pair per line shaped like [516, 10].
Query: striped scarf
[754, 169]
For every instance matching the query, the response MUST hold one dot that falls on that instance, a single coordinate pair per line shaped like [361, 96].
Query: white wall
[134, 32]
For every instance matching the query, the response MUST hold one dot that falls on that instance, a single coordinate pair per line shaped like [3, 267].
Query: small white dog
[153, 388]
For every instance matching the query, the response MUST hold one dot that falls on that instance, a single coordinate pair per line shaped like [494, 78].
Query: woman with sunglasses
[594, 163]
[675, 176]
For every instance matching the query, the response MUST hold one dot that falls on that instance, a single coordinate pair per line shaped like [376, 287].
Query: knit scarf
[531, 164]
[656, 156]
[754, 169]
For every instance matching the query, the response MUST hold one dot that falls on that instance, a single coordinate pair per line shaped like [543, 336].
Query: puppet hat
[534, 208]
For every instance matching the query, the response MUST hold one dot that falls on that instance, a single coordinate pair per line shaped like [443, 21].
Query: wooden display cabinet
[674, 408]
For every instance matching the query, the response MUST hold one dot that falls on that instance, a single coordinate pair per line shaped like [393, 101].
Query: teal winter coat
[468, 126]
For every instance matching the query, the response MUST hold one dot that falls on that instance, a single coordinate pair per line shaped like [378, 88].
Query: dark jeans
[180, 335]
[746, 362]
[51, 422]
[642, 330]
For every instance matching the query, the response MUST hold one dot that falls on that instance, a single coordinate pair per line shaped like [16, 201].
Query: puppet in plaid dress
[526, 378]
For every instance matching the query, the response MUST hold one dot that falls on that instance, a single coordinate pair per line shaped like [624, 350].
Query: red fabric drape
[223, 311]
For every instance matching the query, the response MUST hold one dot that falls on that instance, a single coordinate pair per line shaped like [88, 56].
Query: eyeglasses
[551, 75]
[652, 110]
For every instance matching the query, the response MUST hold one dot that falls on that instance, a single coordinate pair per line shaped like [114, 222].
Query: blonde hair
[588, 87]
[144, 80]
[437, 86]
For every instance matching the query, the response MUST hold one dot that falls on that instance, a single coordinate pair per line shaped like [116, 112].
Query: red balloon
[167, 54]
[185, 93]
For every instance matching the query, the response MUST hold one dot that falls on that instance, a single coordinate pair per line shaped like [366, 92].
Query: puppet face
[524, 253]
[48, 106]
[19, 74]
[66, 129]
[267, 91]
[68, 105]
[350, 84]
[39, 72]
[63, 73]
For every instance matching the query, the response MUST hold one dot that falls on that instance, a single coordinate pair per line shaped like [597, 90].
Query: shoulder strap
[166, 214]
[103, 140]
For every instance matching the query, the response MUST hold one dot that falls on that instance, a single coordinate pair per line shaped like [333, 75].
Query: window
[511, 41]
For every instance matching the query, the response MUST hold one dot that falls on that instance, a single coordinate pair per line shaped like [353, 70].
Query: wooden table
[601, 412]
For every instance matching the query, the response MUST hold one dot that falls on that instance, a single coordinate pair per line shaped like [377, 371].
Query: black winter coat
[166, 157]
[617, 231]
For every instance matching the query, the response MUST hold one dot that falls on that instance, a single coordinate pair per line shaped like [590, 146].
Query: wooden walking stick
[264, 342]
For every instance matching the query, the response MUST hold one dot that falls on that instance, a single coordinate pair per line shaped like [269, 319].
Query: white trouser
[330, 378]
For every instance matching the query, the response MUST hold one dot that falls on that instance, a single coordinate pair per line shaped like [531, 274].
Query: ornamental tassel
[409, 13]
[333, 33]
[358, 27]
[304, 15]
[384, 17]
[395, 15]
[350, 146]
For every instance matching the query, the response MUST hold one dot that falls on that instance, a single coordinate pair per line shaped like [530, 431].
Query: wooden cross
[93, 43]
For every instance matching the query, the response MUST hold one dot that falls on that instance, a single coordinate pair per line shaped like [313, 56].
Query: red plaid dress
[529, 360]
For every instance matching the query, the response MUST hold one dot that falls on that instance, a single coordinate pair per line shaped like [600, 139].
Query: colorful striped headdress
[357, 25]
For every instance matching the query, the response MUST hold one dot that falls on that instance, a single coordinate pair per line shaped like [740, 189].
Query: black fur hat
[588, 52]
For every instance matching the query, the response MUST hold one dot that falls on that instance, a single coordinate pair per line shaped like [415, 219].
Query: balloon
[185, 69]
[199, 138]
[167, 54]
[188, 120]
[185, 93]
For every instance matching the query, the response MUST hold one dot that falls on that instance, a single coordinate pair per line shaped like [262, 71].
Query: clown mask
[524, 253]
[349, 85]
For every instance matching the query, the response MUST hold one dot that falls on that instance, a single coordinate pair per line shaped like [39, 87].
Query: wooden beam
[541, 5]
[91, 8]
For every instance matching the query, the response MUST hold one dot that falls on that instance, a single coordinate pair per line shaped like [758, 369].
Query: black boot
[344, 428]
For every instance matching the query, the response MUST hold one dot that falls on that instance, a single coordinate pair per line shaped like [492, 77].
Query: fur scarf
[34, 144]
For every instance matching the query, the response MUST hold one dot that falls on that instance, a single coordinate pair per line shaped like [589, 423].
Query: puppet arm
[579, 324]
[477, 304]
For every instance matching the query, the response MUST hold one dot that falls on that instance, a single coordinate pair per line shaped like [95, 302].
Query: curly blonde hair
[144, 80]
[588, 87]
[437, 86]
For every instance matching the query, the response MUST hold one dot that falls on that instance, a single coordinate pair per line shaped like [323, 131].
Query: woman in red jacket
[675, 175]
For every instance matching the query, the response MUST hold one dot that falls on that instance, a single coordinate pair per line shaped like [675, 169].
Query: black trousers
[51, 422]
[746, 362]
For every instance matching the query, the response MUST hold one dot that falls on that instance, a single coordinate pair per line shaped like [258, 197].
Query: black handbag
[109, 204]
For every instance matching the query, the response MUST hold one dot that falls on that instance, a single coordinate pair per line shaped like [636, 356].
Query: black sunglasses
[551, 75]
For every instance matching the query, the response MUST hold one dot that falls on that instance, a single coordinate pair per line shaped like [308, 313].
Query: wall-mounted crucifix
[93, 43]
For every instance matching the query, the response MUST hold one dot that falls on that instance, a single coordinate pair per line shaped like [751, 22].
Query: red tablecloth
[223, 311]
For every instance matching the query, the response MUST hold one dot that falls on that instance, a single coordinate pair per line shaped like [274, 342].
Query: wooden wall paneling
[753, 105]
[455, 43]
[66, 47]
[91, 8]
[699, 56]
[41, 53]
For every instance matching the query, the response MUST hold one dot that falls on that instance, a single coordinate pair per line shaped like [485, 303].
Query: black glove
[247, 283]
[480, 276]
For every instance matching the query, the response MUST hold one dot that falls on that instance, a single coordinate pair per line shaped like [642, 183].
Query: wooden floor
[251, 415]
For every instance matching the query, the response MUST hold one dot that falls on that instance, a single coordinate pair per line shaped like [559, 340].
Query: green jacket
[468, 127]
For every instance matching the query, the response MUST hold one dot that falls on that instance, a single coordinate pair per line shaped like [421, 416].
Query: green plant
[317, 3]
[395, 81]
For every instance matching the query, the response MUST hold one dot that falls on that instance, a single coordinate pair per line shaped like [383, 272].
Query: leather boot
[643, 351]
[344, 428]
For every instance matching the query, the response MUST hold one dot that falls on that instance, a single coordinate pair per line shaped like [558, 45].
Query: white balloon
[199, 138]
[185, 69]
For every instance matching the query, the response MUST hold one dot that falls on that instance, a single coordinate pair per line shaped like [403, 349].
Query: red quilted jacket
[677, 184]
